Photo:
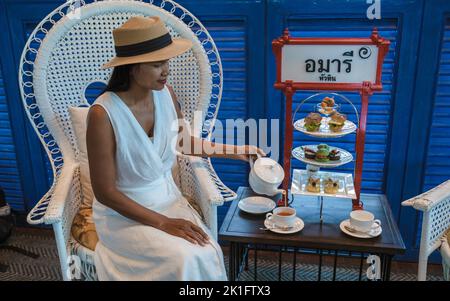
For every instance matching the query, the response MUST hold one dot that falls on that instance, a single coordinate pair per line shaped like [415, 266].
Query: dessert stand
[296, 62]
[300, 177]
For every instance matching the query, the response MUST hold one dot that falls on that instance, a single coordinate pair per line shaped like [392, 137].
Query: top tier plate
[324, 130]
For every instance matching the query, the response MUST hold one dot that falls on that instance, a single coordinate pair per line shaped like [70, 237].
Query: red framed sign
[330, 64]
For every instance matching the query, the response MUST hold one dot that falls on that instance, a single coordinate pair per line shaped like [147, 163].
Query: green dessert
[323, 146]
[322, 154]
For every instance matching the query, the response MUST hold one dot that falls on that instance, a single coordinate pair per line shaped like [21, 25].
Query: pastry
[334, 155]
[323, 146]
[322, 153]
[327, 105]
[331, 186]
[337, 121]
[309, 153]
[312, 122]
[313, 184]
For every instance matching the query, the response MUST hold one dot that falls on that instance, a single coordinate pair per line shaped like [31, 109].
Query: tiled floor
[46, 267]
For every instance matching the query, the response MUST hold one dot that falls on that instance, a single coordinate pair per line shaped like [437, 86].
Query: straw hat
[145, 39]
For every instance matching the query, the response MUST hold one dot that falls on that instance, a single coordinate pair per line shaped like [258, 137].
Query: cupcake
[337, 121]
[312, 122]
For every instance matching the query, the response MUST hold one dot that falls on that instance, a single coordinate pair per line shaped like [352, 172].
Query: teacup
[363, 221]
[282, 217]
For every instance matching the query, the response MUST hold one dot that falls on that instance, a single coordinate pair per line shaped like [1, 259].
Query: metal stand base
[321, 209]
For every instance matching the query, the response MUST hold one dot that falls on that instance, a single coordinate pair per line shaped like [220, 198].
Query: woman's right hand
[185, 229]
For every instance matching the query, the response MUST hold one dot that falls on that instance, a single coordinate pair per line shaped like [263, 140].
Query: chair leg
[422, 274]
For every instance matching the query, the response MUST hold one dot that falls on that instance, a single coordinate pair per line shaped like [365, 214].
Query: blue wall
[408, 140]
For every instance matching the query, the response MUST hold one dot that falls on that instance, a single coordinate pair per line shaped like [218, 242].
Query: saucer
[298, 226]
[371, 234]
[256, 204]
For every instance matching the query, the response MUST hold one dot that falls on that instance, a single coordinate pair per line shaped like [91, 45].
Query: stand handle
[323, 93]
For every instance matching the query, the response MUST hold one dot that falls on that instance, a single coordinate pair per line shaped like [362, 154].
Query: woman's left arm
[195, 146]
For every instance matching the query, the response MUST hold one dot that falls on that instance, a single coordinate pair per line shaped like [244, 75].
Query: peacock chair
[435, 207]
[62, 59]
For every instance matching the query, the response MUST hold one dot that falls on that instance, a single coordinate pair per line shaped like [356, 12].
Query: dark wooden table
[242, 231]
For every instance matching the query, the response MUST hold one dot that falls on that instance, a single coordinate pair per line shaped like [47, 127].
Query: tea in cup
[363, 221]
[283, 217]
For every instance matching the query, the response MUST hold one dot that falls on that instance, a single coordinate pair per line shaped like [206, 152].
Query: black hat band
[144, 47]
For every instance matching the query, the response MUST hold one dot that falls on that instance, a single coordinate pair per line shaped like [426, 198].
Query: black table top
[243, 227]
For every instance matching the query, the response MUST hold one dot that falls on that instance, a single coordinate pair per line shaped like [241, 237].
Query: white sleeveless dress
[128, 250]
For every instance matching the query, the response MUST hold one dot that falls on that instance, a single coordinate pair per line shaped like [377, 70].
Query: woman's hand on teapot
[185, 229]
[245, 152]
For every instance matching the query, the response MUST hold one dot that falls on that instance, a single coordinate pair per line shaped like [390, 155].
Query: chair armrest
[50, 208]
[204, 181]
[431, 198]
[227, 194]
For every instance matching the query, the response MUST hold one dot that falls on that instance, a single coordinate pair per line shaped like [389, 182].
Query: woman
[147, 230]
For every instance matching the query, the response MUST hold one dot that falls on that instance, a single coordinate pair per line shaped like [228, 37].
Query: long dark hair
[120, 79]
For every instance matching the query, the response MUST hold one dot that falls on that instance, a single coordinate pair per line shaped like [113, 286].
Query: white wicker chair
[435, 205]
[63, 57]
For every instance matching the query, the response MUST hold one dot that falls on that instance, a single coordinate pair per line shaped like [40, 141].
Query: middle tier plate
[299, 154]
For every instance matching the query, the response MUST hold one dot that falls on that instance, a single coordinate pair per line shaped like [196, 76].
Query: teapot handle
[251, 161]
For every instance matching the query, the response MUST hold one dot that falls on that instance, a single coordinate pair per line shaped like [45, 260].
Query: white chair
[63, 57]
[435, 205]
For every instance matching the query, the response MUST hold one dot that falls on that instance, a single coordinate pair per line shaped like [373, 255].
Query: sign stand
[358, 67]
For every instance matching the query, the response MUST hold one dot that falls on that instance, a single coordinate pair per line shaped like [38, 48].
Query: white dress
[128, 250]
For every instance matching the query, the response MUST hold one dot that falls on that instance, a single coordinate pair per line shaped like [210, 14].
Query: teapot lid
[269, 170]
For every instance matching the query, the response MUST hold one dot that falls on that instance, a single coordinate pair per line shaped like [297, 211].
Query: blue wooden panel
[10, 179]
[437, 168]
[230, 39]
[429, 91]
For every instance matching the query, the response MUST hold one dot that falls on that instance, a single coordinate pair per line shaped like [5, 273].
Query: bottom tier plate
[346, 187]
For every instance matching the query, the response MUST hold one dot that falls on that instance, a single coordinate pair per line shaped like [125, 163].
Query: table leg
[255, 274]
[295, 264]
[386, 261]
[231, 263]
[247, 250]
[361, 264]
[279, 263]
[335, 264]
[320, 266]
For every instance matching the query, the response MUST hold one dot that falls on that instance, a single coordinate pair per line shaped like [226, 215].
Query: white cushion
[78, 115]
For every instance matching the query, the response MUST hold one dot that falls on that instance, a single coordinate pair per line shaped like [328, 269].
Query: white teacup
[282, 216]
[363, 221]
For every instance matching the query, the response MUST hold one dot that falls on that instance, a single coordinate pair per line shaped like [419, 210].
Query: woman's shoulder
[105, 97]
[99, 108]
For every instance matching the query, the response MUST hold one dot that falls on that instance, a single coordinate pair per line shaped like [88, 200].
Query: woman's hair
[120, 79]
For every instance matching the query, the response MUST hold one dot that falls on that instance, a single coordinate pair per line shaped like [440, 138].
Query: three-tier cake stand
[317, 64]
[300, 177]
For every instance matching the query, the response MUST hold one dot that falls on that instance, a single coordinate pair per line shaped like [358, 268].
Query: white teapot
[265, 176]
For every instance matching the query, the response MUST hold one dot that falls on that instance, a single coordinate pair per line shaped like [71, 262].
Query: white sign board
[329, 63]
